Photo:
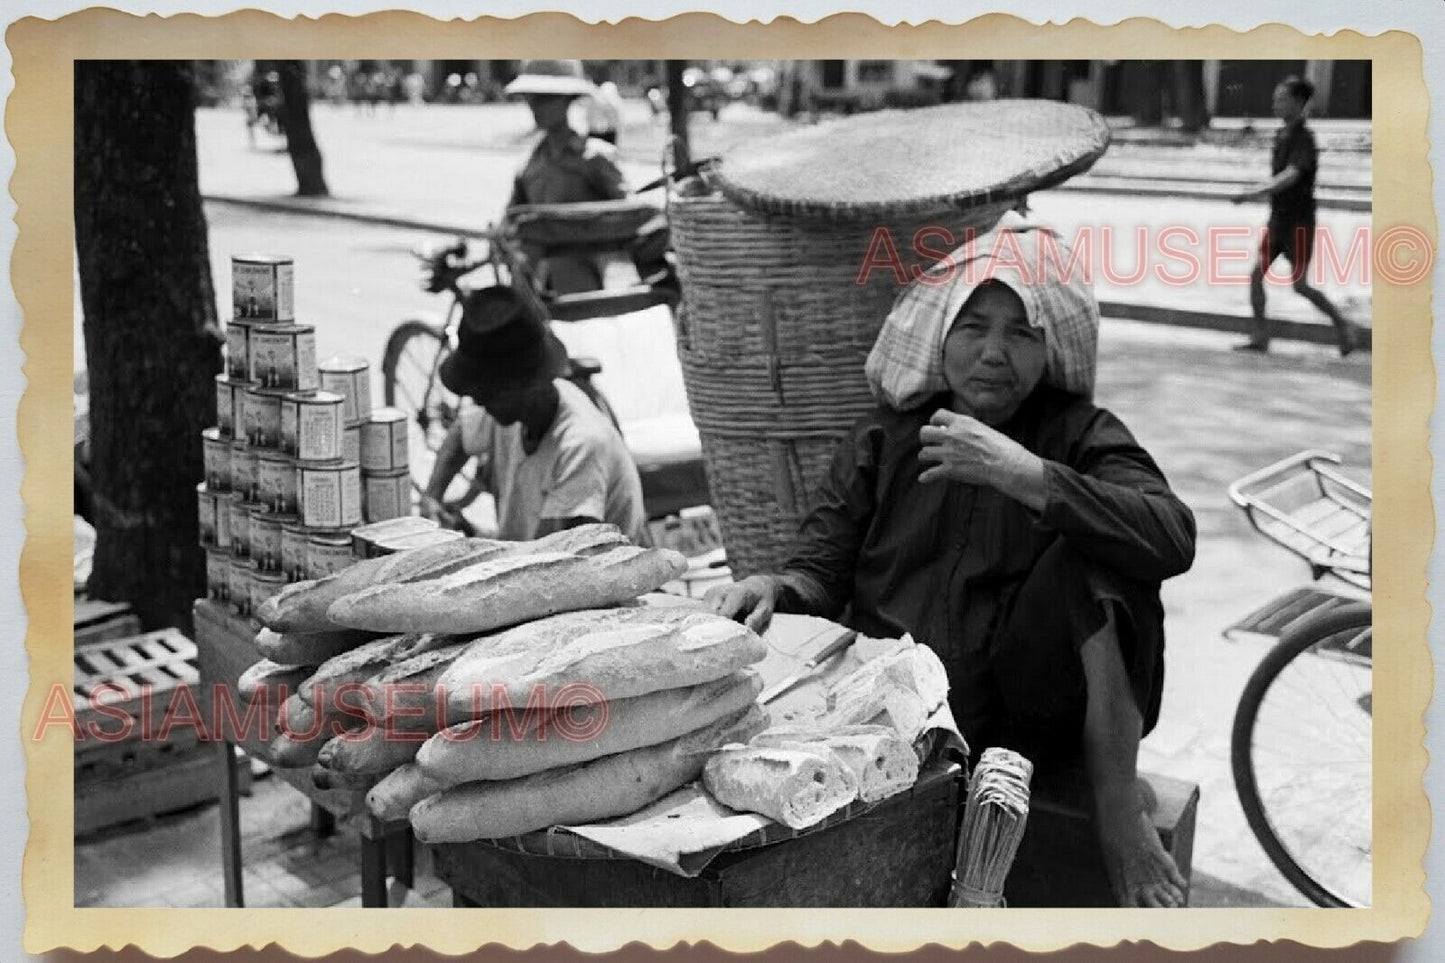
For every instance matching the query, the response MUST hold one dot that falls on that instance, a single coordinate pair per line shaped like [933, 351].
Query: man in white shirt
[548, 455]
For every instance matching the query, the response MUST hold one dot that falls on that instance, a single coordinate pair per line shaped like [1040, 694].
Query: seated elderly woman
[990, 509]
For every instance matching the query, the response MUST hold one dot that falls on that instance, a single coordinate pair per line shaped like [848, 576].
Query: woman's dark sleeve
[817, 579]
[1113, 504]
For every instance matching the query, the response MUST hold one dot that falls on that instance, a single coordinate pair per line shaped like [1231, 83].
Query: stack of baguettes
[487, 689]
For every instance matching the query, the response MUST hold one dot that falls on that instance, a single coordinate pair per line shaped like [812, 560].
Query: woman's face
[992, 358]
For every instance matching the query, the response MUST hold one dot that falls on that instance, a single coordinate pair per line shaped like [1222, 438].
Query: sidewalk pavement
[448, 169]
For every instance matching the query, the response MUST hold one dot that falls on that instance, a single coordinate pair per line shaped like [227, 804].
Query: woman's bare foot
[1141, 872]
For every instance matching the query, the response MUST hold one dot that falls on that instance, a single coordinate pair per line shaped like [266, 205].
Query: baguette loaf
[309, 648]
[373, 751]
[323, 778]
[795, 787]
[509, 589]
[304, 730]
[405, 695]
[301, 606]
[399, 790]
[881, 761]
[489, 749]
[272, 676]
[367, 660]
[629, 657]
[601, 789]
[590, 539]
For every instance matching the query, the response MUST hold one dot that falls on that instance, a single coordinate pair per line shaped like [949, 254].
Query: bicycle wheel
[1302, 760]
[414, 353]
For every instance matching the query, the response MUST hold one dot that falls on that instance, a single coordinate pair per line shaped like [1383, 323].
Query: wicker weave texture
[915, 162]
[772, 334]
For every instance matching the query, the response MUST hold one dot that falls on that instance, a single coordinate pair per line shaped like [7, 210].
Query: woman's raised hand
[963, 449]
[750, 601]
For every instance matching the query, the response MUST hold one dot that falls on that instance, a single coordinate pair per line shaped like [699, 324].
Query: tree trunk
[677, 111]
[296, 119]
[152, 347]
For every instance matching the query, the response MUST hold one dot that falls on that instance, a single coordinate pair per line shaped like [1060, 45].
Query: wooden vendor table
[899, 853]
[225, 648]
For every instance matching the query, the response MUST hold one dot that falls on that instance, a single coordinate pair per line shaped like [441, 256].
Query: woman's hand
[964, 449]
[750, 601]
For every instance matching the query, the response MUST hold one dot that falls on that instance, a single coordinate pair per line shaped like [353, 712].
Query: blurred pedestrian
[604, 112]
[414, 84]
[336, 85]
[1291, 228]
[982, 86]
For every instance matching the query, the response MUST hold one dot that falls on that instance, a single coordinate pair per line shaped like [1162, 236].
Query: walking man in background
[1291, 231]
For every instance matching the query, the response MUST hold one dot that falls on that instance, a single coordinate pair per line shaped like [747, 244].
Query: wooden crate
[123, 689]
[97, 621]
[899, 854]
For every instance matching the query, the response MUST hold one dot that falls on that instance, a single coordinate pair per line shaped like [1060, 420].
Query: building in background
[1150, 91]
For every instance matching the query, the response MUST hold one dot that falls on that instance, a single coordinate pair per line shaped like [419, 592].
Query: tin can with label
[238, 348]
[351, 443]
[239, 585]
[329, 494]
[284, 357]
[216, 459]
[223, 519]
[265, 584]
[263, 287]
[351, 379]
[276, 482]
[365, 537]
[206, 514]
[225, 406]
[218, 574]
[384, 441]
[311, 425]
[240, 513]
[327, 553]
[402, 543]
[245, 461]
[265, 540]
[293, 550]
[385, 494]
[262, 417]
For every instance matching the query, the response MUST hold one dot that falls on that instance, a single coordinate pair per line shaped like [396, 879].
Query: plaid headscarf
[905, 367]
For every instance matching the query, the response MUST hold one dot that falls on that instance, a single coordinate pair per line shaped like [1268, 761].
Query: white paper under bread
[684, 831]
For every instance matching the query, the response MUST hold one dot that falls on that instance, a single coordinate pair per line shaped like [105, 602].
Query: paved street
[1209, 415]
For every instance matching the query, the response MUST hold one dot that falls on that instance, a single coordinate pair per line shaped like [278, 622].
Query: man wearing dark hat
[548, 455]
[567, 168]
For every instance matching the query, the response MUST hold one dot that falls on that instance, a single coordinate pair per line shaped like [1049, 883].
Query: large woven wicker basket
[777, 320]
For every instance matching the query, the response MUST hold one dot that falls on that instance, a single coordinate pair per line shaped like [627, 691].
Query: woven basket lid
[924, 161]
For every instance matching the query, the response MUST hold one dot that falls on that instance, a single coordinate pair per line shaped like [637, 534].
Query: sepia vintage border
[38, 121]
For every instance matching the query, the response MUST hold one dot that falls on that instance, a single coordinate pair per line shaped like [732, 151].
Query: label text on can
[262, 287]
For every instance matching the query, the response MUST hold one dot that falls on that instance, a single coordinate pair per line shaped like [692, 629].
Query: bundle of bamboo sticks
[993, 825]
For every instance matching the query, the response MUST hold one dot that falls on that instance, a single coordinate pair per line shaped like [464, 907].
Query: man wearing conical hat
[991, 510]
[567, 168]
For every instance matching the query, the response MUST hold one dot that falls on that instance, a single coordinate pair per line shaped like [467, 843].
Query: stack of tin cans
[374, 439]
[283, 486]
